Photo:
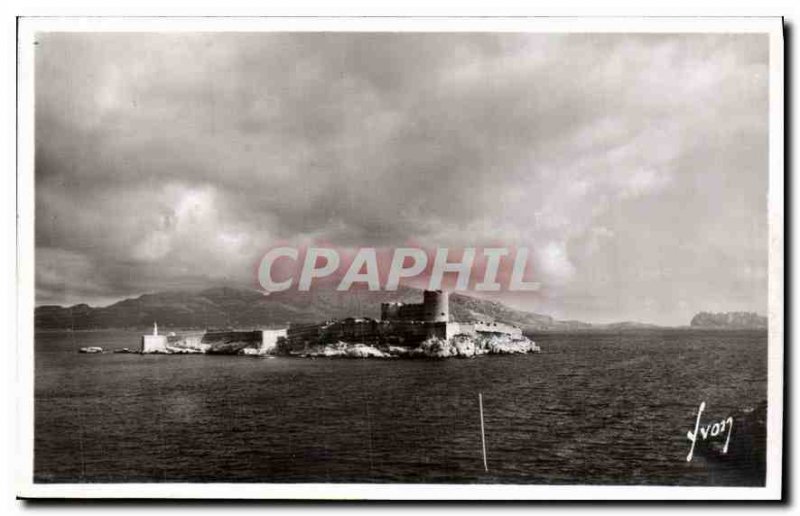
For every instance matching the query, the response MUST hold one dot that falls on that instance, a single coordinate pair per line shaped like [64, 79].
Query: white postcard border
[773, 26]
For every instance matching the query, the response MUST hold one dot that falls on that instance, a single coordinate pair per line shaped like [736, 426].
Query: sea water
[591, 408]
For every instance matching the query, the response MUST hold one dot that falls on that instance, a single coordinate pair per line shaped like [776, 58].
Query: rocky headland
[729, 320]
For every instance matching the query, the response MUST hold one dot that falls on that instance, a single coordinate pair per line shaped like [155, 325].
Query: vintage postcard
[398, 258]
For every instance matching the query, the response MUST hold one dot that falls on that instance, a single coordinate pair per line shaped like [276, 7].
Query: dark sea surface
[591, 408]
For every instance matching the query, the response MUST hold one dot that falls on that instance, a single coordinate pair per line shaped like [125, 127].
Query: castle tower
[436, 306]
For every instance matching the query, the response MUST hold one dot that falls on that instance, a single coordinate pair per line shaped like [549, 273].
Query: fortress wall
[298, 335]
[154, 344]
[413, 333]
[231, 342]
[402, 312]
[456, 328]
[362, 331]
[269, 340]
[390, 311]
[192, 340]
[225, 342]
[480, 327]
[225, 337]
[411, 312]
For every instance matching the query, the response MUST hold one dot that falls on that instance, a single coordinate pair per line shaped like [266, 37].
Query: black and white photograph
[401, 259]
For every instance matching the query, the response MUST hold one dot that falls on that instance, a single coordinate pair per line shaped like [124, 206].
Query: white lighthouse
[154, 343]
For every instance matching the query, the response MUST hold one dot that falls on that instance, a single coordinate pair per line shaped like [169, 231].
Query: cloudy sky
[633, 166]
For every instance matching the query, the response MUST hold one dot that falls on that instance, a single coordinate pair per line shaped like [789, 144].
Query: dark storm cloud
[634, 166]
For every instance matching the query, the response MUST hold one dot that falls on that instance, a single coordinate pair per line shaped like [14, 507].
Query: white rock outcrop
[460, 346]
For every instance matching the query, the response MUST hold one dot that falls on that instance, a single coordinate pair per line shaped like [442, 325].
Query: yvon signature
[709, 430]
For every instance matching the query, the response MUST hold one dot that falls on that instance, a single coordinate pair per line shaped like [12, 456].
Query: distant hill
[225, 307]
[729, 320]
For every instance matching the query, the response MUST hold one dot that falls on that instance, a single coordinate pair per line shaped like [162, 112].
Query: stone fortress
[404, 325]
[404, 329]
[242, 342]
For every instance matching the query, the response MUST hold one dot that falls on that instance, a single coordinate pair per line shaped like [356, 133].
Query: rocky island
[423, 330]
[729, 320]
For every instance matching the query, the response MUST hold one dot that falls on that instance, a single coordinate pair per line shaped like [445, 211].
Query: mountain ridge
[229, 307]
[235, 307]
